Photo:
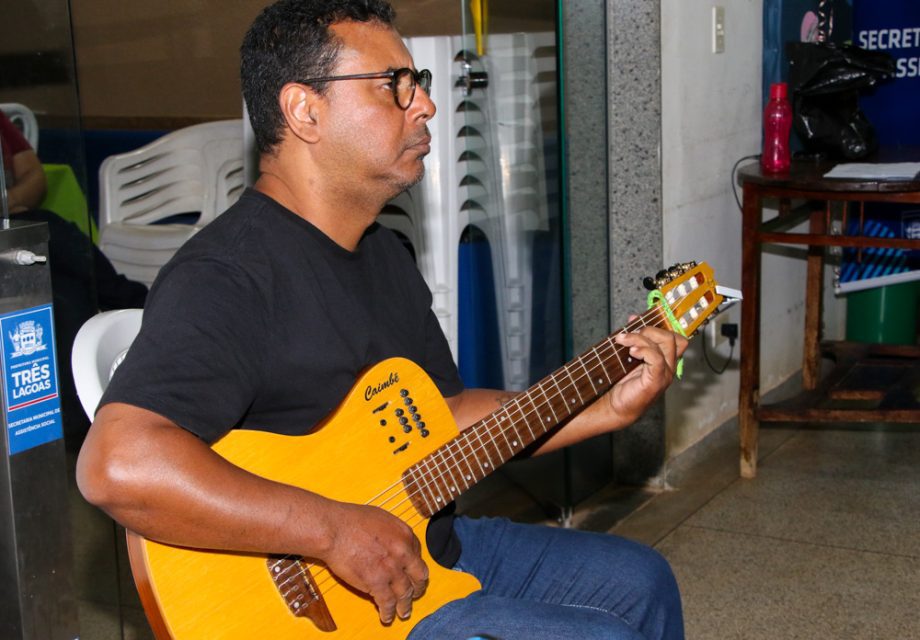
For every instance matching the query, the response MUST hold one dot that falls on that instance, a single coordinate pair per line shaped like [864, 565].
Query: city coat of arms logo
[27, 339]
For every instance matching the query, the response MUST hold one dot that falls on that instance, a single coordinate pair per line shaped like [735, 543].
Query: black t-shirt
[261, 321]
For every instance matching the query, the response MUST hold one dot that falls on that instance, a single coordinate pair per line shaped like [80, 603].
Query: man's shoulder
[245, 216]
[246, 231]
[225, 250]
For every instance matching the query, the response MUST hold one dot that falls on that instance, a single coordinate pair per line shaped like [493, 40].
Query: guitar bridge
[298, 589]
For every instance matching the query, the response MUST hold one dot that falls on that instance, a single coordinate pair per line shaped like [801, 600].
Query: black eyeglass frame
[421, 78]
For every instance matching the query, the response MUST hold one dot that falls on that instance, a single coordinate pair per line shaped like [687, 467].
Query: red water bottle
[777, 123]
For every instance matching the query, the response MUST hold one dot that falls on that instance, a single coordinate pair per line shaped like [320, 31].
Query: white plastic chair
[100, 346]
[486, 169]
[23, 117]
[197, 170]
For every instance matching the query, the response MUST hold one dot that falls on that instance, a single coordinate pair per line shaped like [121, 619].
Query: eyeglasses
[402, 81]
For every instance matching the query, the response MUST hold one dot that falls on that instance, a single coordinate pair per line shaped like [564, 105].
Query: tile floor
[824, 543]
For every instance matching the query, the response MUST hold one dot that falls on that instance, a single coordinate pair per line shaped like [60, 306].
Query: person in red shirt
[25, 179]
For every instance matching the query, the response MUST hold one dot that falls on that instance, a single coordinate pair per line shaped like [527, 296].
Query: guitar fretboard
[442, 476]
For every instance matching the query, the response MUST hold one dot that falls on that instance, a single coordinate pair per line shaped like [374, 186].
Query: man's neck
[338, 213]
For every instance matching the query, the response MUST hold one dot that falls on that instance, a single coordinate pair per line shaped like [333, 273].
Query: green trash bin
[884, 315]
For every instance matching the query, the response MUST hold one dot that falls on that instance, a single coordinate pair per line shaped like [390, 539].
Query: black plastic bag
[825, 81]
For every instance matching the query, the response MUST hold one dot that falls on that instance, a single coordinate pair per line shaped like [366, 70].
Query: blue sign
[30, 389]
[892, 26]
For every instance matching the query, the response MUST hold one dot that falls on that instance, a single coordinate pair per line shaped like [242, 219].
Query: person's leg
[543, 582]
[506, 618]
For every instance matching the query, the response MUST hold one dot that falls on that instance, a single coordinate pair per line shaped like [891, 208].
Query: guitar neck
[441, 477]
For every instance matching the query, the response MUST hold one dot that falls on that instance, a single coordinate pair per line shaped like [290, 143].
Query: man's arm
[164, 483]
[30, 185]
[658, 349]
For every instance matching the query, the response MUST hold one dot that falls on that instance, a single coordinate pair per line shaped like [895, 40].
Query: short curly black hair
[291, 40]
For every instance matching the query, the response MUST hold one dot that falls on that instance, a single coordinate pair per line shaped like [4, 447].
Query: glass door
[39, 97]
[513, 314]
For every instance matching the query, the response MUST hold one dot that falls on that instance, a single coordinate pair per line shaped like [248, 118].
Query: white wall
[711, 115]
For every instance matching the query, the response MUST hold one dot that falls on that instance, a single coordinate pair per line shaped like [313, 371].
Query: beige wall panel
[179, 59]
[172, 59]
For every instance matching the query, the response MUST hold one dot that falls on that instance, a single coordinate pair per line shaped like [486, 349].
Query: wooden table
[833, 398]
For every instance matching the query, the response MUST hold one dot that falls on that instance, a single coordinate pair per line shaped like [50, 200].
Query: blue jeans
[545, 583]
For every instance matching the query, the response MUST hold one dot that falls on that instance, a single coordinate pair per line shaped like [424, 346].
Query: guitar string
[605, 345]
[600, 350]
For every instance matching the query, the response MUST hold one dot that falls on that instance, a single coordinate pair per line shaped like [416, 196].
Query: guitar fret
[483, 447]
[581, 361]
[560, 394]
[602, 367]
[430, 485]
[505, 417]
[517, 403]
[438, 481]
[418, 475]
[550, 405]
[465, 476]
[581, 400]
[533, 412]
[472, 474]
[476, 468]
[450, 488]
[450, 467]
[504, 436]
[616, 352]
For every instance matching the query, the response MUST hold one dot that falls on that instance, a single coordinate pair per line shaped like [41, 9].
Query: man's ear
[300, 107]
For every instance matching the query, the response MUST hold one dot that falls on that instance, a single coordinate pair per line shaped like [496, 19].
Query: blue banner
[30, 388]
[892, 26]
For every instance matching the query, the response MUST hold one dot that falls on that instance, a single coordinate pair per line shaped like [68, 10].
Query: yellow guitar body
[358, 456]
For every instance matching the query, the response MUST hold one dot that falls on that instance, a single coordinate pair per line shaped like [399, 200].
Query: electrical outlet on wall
[716, 330]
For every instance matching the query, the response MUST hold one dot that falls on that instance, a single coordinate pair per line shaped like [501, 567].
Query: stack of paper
[876, 171]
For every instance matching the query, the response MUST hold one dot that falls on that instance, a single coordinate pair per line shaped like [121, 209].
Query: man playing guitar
[264, 320]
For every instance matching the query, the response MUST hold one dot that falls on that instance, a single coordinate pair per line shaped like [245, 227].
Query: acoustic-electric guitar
[393, 444]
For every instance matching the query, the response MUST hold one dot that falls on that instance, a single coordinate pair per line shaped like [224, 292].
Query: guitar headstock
[690, 290]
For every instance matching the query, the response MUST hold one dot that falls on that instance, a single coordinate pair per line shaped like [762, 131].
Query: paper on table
[876, 170]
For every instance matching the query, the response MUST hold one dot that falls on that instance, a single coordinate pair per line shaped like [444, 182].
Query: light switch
[718, 29]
